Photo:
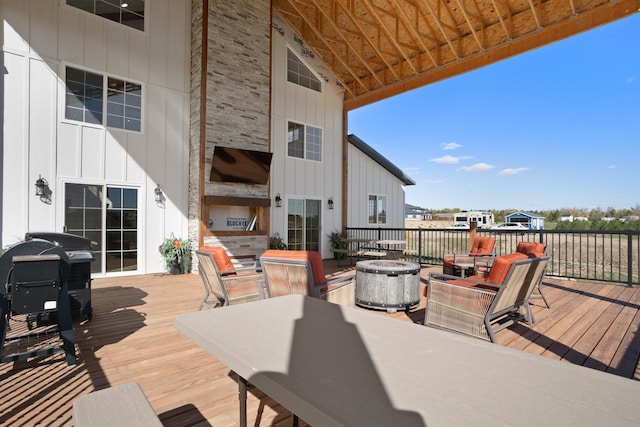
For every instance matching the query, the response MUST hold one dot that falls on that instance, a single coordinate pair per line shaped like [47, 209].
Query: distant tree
[553, 216]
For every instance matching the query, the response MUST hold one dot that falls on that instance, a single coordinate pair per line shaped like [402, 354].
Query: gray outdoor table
[338, 366]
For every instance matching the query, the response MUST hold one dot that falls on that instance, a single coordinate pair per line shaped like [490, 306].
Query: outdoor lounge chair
[537, 249]
[480, 308]
[482, 248]
[227, 283]
[302, 272]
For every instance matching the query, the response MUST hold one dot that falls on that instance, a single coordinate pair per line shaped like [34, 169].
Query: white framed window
[129, 13]
[88, 95]
[300, 74]
[377, 209]
[304, 141]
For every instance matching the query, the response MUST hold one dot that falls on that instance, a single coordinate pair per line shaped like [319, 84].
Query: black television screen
[239, 165]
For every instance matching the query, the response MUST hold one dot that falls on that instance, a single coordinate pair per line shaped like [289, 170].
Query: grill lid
[69, 242]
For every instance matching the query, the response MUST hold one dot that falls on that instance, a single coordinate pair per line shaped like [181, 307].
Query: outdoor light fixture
[278, 201]
[159, 194]
[41, 186]
[330, 202]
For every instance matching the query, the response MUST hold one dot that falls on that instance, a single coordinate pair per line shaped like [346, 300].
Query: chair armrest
[341, 290]
[465, 282]
[240, 280]
[263, 290]
[340, 281]
[453, 254]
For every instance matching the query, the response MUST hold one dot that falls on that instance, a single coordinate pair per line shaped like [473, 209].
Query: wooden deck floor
[132, 338]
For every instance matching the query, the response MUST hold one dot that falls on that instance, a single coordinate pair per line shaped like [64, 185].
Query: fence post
[420, 246]
[629, 260]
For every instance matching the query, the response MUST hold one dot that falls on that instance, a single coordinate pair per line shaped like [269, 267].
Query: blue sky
[553, 128]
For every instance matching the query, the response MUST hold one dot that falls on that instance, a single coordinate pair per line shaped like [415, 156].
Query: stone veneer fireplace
[230, 106]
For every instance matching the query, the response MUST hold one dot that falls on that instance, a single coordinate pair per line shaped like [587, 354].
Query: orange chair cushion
[483, 245]
[222, 260]
[501, 267]
[314, 258]
[531, 248]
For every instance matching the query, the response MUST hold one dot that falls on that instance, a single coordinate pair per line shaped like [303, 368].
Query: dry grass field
[592, 256]
[436, 223]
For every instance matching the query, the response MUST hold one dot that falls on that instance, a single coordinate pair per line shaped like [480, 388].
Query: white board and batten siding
[42, 38]
[367, 177]
[298, 178]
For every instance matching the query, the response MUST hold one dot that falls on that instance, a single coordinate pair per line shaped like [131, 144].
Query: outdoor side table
[387, 285]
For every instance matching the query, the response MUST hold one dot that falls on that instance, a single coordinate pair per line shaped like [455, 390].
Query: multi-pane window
[121, 229]
[108, 216]
[129, 13]
[377, 209]
[85, 100]
[304, 141]
[303, 224]
[300, 74]
[124, 104]
[84, 96]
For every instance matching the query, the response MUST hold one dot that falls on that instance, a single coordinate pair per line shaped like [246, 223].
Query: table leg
[242, 396]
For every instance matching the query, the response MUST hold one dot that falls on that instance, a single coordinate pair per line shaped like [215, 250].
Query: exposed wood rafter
[380, 48]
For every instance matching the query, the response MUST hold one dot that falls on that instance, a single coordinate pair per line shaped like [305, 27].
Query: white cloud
[478, 167]
[612, 167]
[512, 171]
[629, 80]
[450, 145]
[450, 160]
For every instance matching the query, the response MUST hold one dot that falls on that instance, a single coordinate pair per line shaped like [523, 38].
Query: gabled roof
[380, 159]
[529, 214]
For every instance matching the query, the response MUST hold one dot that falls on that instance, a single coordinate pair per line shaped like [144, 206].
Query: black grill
[80, 253]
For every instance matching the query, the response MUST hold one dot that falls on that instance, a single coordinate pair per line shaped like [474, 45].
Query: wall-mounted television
[240, 165]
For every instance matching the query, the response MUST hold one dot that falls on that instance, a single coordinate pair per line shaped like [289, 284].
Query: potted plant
[177, 254]
[338, 241]
[276, 242]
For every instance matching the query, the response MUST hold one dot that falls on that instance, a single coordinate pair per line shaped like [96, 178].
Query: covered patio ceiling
[381, 48]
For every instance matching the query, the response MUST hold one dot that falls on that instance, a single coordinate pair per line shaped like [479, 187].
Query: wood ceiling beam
[336, 28]
[470, 24]
[503, 23]
[536, 13]
[412, 30]
[438, 23]
[348, 13]
[388, 34]
[584, 21]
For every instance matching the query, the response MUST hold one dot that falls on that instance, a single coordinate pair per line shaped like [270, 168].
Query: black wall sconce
[278, 201]
[41, 185]
[159, 195]
[42, 190]
[330, 202]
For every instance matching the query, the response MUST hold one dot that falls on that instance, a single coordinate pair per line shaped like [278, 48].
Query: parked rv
[482, 218]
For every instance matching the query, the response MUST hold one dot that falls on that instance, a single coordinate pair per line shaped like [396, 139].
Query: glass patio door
[303, 224]
[107, 215]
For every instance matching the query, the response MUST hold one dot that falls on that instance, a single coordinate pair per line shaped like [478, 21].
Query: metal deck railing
[608, 256]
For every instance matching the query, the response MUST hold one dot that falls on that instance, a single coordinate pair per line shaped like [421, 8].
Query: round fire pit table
[387, 285]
